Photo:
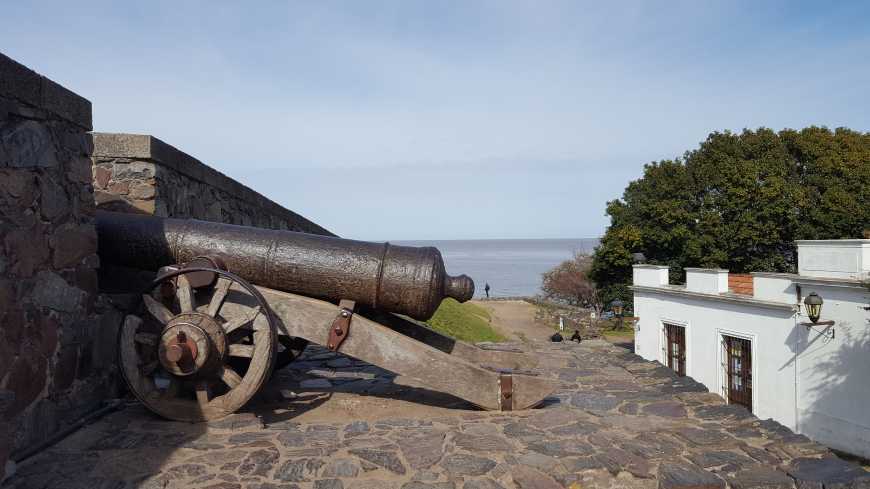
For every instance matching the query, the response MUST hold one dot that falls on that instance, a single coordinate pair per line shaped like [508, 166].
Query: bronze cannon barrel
[402, 279]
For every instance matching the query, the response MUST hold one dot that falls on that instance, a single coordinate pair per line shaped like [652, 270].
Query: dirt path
[515, 319]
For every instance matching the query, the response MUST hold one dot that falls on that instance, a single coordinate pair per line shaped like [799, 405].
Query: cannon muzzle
[401, 279]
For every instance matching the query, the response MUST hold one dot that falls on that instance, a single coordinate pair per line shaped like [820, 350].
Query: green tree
[739, 201]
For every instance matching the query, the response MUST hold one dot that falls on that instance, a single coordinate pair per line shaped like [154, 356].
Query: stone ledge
[732, 298]
[147, 147]
[22, 83]
[805, 280]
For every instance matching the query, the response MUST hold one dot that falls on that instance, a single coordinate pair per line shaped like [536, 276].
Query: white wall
[834, 374]
[816, 386]
[650, 275]
[707, 280]
[705, 321]
[839, 258]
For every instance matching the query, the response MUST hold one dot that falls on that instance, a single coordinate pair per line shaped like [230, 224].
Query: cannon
[231, 303]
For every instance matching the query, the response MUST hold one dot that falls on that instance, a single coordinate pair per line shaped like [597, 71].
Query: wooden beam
[376, 344]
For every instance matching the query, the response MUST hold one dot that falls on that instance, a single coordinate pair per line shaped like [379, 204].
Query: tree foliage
[739, 202]
[569, 282]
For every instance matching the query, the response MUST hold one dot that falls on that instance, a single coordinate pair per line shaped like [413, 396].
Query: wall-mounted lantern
[813, 304]
[617, 307]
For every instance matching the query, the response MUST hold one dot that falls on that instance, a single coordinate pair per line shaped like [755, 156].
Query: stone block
[829, 472]
[119, 187]
[142, 191]
[52, 291]
[101, 176]
[102, 197]
[467, 465]
[72, 243]
[26, 380]
[27, 249]
[79, 170]
[66, 104]
[122, 145]
[27, 144]
[681, 475]
[135, 170]
[760, 477]
[19, 187]
[528, 478]
[19, 82]
[53, 201]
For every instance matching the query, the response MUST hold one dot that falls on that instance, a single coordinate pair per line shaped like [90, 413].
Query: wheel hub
[192, 343]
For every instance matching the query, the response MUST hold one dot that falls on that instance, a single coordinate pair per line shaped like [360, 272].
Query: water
[513, 267]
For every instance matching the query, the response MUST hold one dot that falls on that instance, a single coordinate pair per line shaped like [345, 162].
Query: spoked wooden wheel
[198, 353]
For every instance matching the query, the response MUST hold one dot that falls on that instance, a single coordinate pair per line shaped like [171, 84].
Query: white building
[749, 341]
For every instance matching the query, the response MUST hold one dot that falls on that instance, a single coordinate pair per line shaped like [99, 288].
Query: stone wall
[57, 335]
[140, 173]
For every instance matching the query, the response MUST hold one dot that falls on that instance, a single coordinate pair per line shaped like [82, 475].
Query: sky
[448, 119]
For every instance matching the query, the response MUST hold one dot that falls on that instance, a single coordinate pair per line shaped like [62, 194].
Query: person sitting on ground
[556, 338]
[576, 336]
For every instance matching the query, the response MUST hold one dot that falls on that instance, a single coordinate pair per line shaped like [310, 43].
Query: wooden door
[738, 364]
[676, 348]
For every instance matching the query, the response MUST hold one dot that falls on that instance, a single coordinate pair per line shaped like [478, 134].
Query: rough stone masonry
[58, 334]
[142, 174]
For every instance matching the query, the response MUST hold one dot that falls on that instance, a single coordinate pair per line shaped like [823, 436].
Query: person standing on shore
[486, 289]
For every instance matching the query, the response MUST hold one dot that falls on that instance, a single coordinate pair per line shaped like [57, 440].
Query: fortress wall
[57, 334]
[140, 173]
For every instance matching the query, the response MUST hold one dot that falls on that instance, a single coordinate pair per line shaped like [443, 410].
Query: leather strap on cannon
[341, 326]
[506, 392]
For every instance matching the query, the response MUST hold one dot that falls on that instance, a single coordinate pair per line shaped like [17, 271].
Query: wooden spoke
[220, 293]
[244, 351]
[158, 310]
[230, 377]
[184, 292]
[202, 393]
[145, 338]
[240, 321]
[216, 392]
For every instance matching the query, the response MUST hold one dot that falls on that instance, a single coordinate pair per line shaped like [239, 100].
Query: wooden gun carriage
[231, 303]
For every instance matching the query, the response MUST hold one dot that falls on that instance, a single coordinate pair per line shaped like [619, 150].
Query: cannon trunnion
[230, 303]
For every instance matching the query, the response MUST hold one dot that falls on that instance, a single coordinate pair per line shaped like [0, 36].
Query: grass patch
[465, 322]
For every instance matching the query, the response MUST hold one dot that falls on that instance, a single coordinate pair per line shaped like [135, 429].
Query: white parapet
[707, 280]
[650, 275]
[834, 258]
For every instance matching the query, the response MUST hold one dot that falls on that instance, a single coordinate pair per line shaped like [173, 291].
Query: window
[675, 344]
[738, 370]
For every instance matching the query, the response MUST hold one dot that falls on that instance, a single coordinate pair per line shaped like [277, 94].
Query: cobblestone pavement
[331, 422]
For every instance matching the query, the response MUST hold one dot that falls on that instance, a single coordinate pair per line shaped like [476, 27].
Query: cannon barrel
[401, 279]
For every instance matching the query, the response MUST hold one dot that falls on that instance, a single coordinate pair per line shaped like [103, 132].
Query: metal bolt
[344, 314]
